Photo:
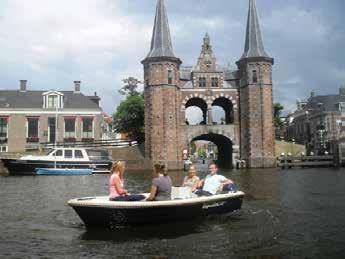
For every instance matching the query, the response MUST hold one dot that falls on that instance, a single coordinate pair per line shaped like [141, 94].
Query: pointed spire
[206, 47]
[254, 46]
[207, 60]
[161, 41]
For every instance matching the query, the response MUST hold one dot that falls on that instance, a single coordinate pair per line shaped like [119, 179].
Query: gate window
[255, 76]
[170, 77]
[214, 81]
[202, 82]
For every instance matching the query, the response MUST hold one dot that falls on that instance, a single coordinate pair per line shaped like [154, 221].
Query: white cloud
[90, 39]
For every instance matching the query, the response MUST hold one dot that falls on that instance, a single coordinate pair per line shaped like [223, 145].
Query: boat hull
[60, 171]
[140, 213]
[28, 167]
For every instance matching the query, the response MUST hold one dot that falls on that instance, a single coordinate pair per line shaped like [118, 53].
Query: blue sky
[100, 42]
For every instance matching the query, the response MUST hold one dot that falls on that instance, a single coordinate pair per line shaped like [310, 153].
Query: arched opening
[202, 149]
[223, 155]
[196, 111]
[222, 111]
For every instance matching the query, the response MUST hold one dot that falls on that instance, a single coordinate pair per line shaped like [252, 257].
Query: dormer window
[53, 100]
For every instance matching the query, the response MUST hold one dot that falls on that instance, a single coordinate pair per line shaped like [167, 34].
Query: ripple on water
[289, 214]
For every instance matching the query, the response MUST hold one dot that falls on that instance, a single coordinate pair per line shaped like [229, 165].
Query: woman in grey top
[161, 185]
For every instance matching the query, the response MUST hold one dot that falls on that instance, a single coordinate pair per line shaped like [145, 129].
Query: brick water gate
[245, 96]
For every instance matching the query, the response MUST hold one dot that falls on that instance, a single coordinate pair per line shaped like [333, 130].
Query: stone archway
[201, 104]
[224, 145]
[228, 107]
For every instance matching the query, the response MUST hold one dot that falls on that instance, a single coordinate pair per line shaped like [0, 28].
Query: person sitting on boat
[161, 184]
[213, 182]
[191, 180]
[117, 192]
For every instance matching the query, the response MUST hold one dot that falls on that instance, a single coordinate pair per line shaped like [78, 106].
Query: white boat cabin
[71, 154]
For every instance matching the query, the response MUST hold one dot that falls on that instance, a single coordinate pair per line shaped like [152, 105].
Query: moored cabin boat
[67, 158]
[100, 212]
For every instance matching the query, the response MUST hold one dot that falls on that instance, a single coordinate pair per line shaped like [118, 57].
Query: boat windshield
[49, 152]
[54, 152]
[97, 154]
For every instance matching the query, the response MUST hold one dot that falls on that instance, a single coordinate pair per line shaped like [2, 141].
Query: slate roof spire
[207, 47]
[161, 41]
[254, 46]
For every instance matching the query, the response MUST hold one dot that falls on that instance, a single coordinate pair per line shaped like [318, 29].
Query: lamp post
[321, 138]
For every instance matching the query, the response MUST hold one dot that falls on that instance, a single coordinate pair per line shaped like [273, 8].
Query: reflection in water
[291, 213]
[146, 232]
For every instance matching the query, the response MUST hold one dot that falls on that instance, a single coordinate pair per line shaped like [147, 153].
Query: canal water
[286, 214]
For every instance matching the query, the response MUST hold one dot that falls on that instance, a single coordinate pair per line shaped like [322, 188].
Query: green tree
[278, 123]
[130, 114]
[202, 153]
[130, 87]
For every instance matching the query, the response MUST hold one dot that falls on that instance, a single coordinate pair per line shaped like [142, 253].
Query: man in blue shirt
[213, 182]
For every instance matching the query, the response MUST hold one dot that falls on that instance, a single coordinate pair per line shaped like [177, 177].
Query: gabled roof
[161, 41]
[52, 92]
[254, 46]
[326, 103]
[34, 100]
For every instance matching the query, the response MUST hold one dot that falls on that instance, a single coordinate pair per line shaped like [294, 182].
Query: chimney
[342, 90]
[23, 85]
[77, 86]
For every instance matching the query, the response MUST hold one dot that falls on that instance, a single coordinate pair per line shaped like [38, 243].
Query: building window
[214, 81]
[202, 82]
[52, 101]
[3, 129]
[87, 128]
[170, 77]
[342, 107]
[70, 128]
[32, 133]
[255, 76]
[3, 148]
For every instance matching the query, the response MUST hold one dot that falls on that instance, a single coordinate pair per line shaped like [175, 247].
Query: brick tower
[256, 102]
[161, 75]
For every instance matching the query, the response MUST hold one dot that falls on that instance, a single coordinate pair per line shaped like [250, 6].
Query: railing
[116, 143]
[305, 161]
